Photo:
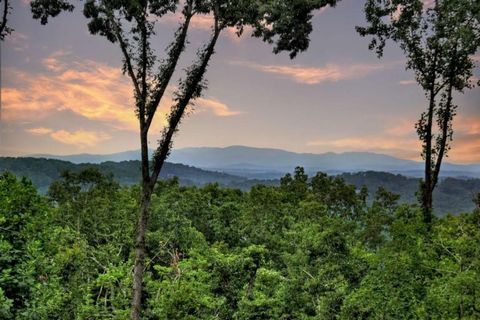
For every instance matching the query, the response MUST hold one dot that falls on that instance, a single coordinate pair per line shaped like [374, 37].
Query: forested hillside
[452, 195]
[42, 172]
[311, 248]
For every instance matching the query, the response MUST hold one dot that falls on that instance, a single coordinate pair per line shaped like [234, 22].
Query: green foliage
[307, 249]
[439, 40]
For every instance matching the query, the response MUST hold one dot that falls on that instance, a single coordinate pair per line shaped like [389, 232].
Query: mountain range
[452, 194]
[268, 163]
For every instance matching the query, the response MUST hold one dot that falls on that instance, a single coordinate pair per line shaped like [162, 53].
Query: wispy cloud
[218, 108]
[407, 82]
[203, 22]
[315, 75]
[18, 40]
[400, 139]
[78, 138]
[39, 131]
[405, 148]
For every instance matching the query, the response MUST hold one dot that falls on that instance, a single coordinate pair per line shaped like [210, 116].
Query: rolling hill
[451, 196]
[265, 163]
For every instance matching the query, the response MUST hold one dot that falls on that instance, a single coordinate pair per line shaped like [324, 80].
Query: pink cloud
[315, 75]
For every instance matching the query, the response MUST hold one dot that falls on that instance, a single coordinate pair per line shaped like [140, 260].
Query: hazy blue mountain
[263, 163]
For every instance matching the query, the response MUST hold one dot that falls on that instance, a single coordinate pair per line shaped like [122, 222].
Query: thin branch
[4, 19]
[193, 81]
[126, 55]
[142, 23]
[166, 74]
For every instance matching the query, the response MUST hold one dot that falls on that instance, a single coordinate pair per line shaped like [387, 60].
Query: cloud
[218, 108]
[203, 22]
[93, 90]
[39, 131]
[315, 75]
[407, 82]
[466, 139]
[18, 40]
[399, 139]
[408, 148]
[79, 138]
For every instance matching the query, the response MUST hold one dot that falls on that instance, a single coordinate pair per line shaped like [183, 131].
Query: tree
[5, 10]
[130, 24]
[438, 43]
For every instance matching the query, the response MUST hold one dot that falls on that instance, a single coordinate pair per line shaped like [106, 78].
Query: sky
[63, 92]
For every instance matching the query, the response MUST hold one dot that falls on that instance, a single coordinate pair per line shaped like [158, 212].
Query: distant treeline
[453, 195]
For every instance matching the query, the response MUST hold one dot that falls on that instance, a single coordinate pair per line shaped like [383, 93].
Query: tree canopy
[308, 249]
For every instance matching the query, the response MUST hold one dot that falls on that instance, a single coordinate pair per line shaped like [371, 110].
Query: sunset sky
[63, 92]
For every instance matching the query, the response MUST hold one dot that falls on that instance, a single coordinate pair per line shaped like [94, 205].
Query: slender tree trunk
[445, 123]
[445, 133]
[139, 265]
[427, 187]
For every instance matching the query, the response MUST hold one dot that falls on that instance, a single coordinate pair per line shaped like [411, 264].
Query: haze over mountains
[266, 163]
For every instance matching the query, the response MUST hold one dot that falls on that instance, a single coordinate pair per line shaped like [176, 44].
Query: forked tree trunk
[149, 177]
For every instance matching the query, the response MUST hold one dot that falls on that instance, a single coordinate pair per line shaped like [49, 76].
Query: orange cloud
[218, 108]
[90, 89]
[466, 139]
[315, 75]
[79, 138]
[400, 140]
[40, 131]
[93, 90]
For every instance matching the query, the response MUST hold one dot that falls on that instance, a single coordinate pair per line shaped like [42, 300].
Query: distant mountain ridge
[265, 163]
[42, 172]
[452, 195]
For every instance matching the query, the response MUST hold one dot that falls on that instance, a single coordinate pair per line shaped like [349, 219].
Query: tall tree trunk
[141, 230]
[427, 186]
[139, 265]
[442, 148]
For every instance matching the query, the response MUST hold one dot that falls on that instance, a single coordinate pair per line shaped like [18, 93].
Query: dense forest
[130, 240]
[310, 248]
[453, 195]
